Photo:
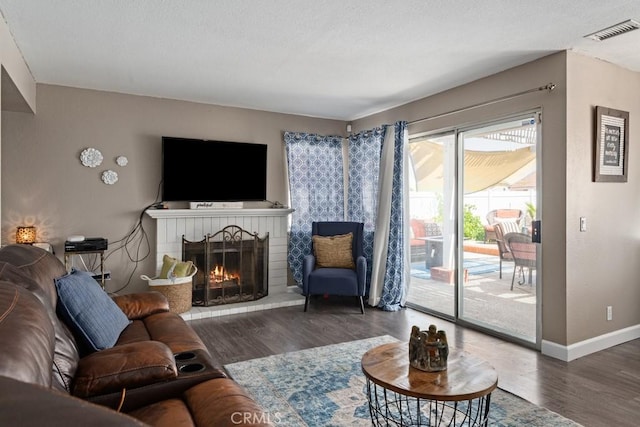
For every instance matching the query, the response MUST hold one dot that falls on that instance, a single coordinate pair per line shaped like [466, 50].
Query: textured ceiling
[341, 59]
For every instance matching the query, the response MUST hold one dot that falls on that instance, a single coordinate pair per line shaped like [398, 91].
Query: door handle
[535, 231]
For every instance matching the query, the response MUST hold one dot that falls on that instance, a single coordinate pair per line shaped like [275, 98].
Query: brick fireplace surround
[194, 224]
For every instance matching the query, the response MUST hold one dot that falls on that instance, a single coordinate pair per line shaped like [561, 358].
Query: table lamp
[26, 234]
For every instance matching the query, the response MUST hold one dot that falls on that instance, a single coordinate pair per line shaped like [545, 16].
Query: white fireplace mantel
[208, 213]
[195, 224]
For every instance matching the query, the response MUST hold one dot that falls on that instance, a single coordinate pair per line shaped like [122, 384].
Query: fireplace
[232, 266]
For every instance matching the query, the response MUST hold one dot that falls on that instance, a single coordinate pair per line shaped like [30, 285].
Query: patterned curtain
[376, 197]
[362, 196]
[316, 186]
[390, 265]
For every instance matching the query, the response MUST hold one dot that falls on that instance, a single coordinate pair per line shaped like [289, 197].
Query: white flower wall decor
[122, 161]
[90, 157]
[109, 177]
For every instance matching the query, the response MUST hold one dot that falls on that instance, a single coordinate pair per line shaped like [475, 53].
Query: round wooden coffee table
[401, 395]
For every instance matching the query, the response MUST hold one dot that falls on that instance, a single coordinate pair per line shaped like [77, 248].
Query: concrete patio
[486, 298]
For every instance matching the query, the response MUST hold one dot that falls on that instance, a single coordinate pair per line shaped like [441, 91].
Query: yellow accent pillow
[179, 268]
[333, 251]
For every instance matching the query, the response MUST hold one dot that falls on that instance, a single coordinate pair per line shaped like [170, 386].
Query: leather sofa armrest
[224, 403]
[125, 366]
[142, 304]
[28, 404]
[149, 394]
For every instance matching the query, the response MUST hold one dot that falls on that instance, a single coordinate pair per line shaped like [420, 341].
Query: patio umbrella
[483, 169]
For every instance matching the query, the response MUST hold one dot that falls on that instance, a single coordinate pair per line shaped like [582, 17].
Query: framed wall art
[611, 148]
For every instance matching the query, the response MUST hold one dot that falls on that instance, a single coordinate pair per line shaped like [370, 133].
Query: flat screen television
[199, 170]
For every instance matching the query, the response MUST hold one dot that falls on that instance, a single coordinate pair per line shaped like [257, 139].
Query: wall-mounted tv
[198, 170]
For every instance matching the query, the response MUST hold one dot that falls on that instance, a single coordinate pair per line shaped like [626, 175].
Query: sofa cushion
[508, 227]
[26, 336]
[168, 328]
[141, 304]
[508, 213]
[333, 251]
[66, 356]
[169, 412]
[40, 265]
[95, 319]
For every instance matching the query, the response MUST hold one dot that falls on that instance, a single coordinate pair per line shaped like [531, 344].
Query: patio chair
[420, 231]
[497, 216]
[502, 229]
[523, 251]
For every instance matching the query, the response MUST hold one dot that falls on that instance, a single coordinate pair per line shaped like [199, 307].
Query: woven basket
[177, 290]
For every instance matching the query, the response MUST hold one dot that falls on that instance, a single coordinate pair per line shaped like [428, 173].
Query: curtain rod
[549, 87]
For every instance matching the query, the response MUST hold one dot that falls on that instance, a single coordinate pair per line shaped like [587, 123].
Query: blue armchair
[320, 277]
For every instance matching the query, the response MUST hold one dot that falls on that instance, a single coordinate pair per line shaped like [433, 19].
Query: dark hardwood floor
[602, 389]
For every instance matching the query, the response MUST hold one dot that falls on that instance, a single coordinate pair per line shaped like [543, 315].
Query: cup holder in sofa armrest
[196, 363]
[184, 356]
[187, 362]
[190, 368]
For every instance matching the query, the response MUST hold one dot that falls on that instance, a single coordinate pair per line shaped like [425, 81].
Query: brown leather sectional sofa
[158, 373]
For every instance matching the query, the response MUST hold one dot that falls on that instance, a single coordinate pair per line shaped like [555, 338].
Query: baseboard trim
[592, 345]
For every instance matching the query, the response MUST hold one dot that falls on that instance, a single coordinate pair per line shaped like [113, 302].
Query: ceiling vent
[614, 30]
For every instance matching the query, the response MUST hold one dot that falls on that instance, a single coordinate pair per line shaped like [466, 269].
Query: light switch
[583, 223]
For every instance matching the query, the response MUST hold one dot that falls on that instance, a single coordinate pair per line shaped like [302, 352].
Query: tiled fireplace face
[195, 224]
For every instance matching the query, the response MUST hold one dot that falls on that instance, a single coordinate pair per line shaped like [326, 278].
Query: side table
[69, 263]
[401, 395]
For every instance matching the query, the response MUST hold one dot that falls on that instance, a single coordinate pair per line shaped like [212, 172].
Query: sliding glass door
[433, 223]
[472, 189]
[499, 199]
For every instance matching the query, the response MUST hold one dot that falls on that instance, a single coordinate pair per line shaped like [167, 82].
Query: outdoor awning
[482, 169]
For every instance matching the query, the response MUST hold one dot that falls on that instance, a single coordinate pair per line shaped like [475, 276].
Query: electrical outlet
[583, 223]
[609, 312]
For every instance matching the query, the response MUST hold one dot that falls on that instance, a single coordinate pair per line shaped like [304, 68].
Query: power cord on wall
[132, 242]
[136, 242]
[276, 204]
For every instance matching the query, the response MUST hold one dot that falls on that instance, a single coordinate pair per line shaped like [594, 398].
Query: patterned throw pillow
[433, 229]
[509, 227]
[333, 251]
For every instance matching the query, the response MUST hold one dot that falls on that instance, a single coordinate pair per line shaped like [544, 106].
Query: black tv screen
[200, 170]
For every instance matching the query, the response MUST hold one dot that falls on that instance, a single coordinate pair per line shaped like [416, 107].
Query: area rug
[324, 386]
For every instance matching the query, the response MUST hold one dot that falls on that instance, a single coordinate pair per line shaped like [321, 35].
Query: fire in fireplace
[232, 266]
[219, 274]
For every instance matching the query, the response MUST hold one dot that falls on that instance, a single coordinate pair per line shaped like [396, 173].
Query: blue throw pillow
[95, 319]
